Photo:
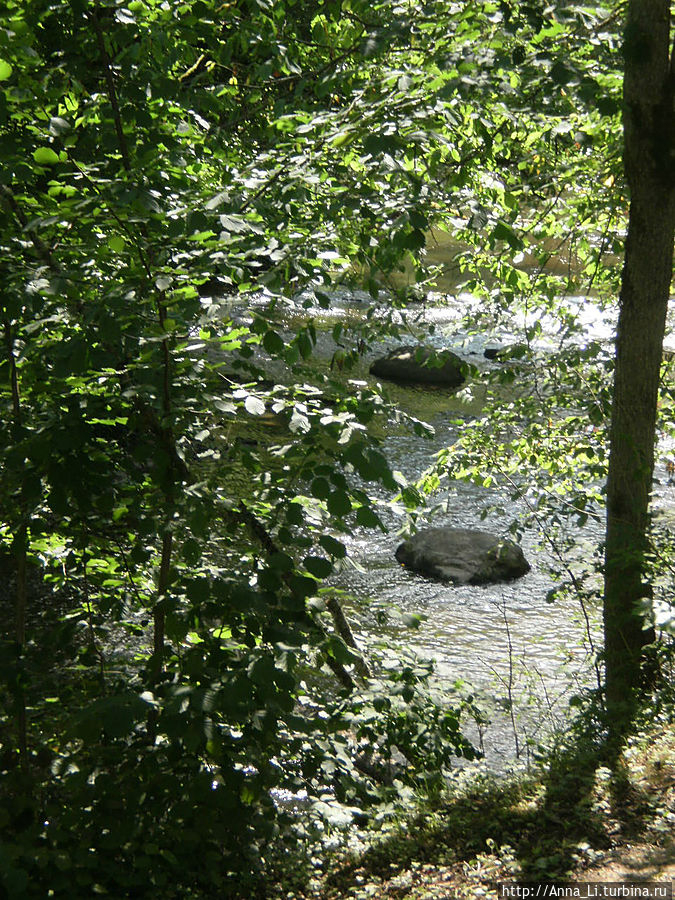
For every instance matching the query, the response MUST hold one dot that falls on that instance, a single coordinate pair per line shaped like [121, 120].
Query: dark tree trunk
[649, 147]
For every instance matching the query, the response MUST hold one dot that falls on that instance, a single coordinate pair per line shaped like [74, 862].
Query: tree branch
[243, 514]
[42, 249]
[20, 540]
[110, 82]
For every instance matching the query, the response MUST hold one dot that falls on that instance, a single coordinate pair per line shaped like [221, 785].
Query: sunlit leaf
[254, 405]
[45, 156]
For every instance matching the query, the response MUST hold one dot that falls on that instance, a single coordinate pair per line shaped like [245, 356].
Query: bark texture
[649, 159]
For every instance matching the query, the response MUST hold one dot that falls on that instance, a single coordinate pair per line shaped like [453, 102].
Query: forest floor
[575, 822]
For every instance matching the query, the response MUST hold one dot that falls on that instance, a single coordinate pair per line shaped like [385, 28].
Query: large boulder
[420, 365]
[463, 556]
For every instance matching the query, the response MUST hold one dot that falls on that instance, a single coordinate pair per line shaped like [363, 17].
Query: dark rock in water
[408, 365]
[463, 556]
[493, 352]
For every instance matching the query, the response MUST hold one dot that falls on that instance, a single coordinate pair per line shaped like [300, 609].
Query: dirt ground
[635, 863]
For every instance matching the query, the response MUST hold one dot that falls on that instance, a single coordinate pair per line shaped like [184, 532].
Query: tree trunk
[649, 124]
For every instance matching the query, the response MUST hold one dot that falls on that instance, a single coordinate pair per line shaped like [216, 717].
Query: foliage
[160, 163]
[178, 179]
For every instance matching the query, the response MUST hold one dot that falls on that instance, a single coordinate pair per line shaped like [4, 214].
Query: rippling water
[506, 642]
[484, 635]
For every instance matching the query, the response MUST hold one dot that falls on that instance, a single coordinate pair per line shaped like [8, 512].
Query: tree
[160, 165]
[649, 157]
[173, 174]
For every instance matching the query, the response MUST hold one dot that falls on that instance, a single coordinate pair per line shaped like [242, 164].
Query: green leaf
[269, 580]
[366, 517]
[318, 566]
[197, 589]
[320, 488]
[561, 73]
[414, 240]
[59, 126]
[304, 345]
[339, 503]
[502, 232]
[381, 143]
[45, 156]
[330, 545]
[119, 512]
[273, 343]
[116, 714]
[343, 138]
[5, 70]
[192, 551]
[337, 648]
[163, 282]
[302, 586]
[294, 515]
[281, 561]
[116, 243]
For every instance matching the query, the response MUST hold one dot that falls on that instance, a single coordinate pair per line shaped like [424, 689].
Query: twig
[509, 683]
[20, 554]
[42, 249]
[110, 81]
[345, 632]
[159, 615]
[90, 618]
[244, 515]
[573, 579]
[129, 573]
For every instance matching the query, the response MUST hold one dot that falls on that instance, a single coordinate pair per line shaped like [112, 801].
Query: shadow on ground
[555, 825]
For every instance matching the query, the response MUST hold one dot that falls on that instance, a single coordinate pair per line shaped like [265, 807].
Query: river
[515, 652]
[522, 658]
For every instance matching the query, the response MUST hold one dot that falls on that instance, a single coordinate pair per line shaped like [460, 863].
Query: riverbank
[574, 821]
